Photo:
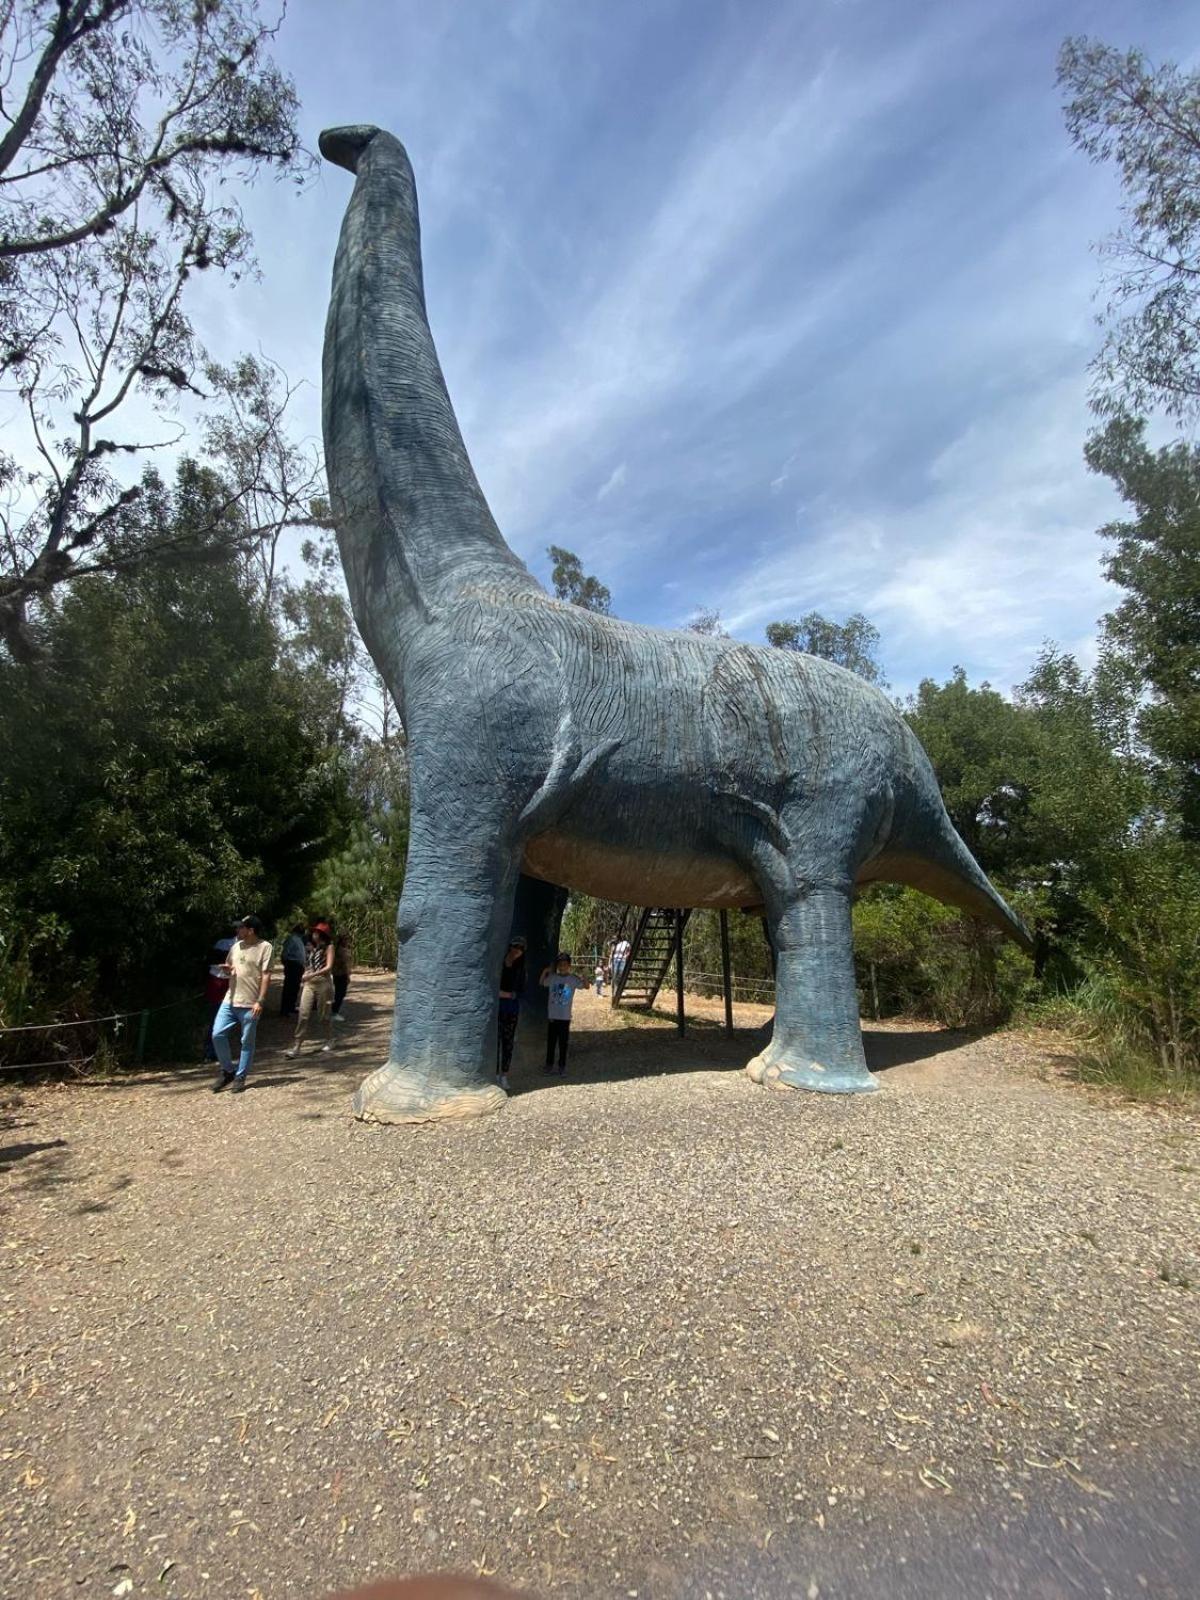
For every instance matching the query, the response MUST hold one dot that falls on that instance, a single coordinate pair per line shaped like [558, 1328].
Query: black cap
[563, 955]
[253, 923]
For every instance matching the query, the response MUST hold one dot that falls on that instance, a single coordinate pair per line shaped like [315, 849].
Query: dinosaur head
[345, 146]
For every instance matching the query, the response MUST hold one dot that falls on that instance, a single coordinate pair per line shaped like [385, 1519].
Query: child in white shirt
[562, 984]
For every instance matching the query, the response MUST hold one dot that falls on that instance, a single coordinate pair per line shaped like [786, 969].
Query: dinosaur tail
[926, 852]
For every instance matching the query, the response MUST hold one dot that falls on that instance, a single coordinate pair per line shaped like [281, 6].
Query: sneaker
[290, 1055]
[326, 1049]
[239, 1085]
[225, 1078]
[337, 1017]
[560, 1072]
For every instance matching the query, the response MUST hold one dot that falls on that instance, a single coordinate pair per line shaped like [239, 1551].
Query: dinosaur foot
[756, 1068]
[395, 1095]
[784, 1074]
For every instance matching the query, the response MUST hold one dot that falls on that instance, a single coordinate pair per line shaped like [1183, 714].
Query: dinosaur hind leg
[817, 1040]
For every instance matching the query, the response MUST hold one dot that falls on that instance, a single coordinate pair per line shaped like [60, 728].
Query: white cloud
[1000, 553]
[614, 481]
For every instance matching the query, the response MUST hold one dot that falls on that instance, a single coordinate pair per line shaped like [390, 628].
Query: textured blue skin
[662, 768]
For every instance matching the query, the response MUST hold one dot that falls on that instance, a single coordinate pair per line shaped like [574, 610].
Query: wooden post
[726, 977]
[679, 973]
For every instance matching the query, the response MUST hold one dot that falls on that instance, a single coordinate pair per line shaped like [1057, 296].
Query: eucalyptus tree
[125, 126]
[1145, 120]
[853, 644]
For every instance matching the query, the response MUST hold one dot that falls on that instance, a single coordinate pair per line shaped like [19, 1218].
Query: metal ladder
[652, 947]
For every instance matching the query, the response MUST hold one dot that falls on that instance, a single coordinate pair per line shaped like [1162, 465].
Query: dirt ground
[652, 1331]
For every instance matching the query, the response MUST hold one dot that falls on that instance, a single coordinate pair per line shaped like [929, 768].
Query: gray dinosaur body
[629, 762]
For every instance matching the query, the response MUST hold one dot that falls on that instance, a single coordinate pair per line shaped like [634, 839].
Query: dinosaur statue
[562, 747]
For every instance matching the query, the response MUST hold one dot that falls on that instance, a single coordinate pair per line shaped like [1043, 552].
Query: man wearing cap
[249, 971]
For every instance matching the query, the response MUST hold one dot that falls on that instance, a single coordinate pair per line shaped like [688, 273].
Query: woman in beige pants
[316, 991]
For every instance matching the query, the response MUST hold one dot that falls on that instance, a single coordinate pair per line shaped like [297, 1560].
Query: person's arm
[545, 977]
[264, 985]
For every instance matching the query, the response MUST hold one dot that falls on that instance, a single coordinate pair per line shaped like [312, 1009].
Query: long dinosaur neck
[413, 525]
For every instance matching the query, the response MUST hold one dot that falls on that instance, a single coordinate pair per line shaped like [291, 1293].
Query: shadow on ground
[607, 1045]
[646, 1048]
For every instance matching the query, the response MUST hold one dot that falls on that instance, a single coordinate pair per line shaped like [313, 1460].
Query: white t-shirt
[562, 986]
[621, 951]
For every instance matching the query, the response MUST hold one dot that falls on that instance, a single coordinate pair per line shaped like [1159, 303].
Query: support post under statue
[726, 975]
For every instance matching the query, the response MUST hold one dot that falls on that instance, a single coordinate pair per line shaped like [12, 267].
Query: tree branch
[73, 24]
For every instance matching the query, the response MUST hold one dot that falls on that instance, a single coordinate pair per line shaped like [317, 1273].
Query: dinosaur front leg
[453, 923]
[817, 1040]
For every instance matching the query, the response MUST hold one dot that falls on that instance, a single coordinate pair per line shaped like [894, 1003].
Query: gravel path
[642, 1329]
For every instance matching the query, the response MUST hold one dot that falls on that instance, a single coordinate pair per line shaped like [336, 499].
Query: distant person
[216, 987]
[293, 970]
[599, 976]
[343, 968]
[512, 987]
[316, 992]
[249, 972]
[620, 959]
[562, 984]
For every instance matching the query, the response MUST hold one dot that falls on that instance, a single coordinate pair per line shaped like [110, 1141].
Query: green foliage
[166, 770]
[749, 956]
[360, 885]
[1111, 1047]
[572, 583]
[983, 749]
[918, 958]
[1146, 120]
[123, 124]
[1155, 630]
[1086, 833]
[589, 927]
[1148, 952]
[853, 643]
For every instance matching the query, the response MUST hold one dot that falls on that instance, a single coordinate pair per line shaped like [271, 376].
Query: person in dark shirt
[512, 987]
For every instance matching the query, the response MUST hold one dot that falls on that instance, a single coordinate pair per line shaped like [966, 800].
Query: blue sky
[764, 305]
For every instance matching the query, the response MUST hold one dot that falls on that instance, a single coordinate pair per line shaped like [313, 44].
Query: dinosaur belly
[638, 877]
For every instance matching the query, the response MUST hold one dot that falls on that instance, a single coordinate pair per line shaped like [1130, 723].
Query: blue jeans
[228, 1018]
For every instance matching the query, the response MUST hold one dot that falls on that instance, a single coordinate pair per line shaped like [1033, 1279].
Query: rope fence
[760, 990]
[145, 1017]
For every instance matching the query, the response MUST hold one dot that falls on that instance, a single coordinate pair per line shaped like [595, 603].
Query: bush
[1148, 955]
[1112, 1048]
[915, 957]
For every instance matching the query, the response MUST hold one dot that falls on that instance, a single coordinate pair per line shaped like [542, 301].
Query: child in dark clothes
[512, 986]
[562, 984]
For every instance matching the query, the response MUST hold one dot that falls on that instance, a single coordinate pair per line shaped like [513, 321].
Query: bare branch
[74, 23]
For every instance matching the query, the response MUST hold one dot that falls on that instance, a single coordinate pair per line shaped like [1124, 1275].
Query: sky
[766, 306]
